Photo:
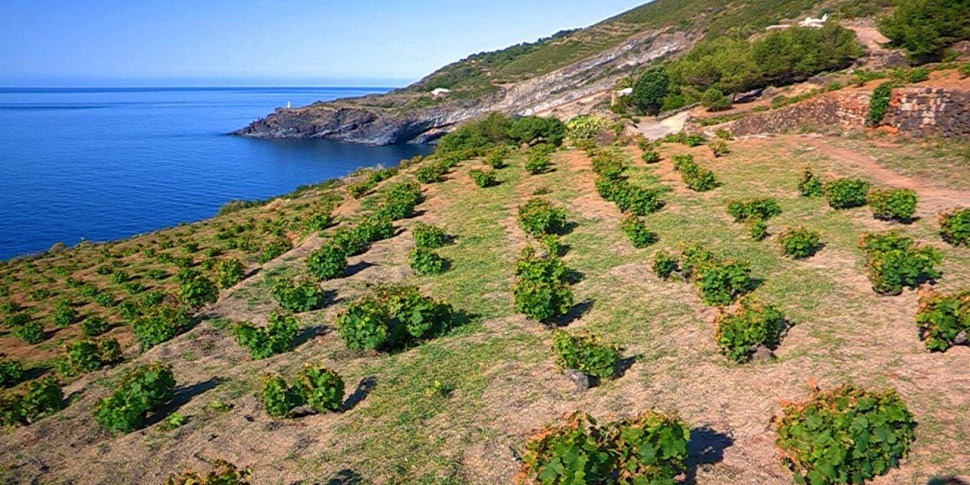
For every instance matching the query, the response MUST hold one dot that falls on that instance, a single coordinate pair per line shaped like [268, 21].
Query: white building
[440, 92]
[814, 23]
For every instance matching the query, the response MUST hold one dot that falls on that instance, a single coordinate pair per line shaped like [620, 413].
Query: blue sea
[103, 164]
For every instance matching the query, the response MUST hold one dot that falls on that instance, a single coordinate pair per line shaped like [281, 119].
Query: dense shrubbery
[955, 227]
[11, 371]
[316, 387]
[159, 325]
[399, 201]
[810, 185]
[195, 290]
[720, 282]
[637, 231]
[944, 319]
[537, 160]
[542, 290]
[274, 249]
[926, 28]
[225, 474]
[64, 314]
[392, 318]
[144, 390]
[845, 435]
[431, 173]
[538, 217]
[649, 448]
[533, 129]
[278, 337]
[847, 193]
[41, 398]
[799, 242]
[755, 209]
[585, 127]
[31, 332]
[298, 296]
[426, 262]
[609, 165]
[328, 262]
[696, 178]
[585, 353]
[752, 325]
[629, 197]
[896, 204]
[733, 64]
[428, 237]
[896, 261]
[90, 355]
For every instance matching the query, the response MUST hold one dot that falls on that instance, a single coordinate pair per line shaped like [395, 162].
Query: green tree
[650, 90]
[925, 28]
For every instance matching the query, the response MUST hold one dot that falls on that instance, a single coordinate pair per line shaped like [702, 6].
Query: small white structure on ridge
[624, 92]
[440, 92]
[814, 23]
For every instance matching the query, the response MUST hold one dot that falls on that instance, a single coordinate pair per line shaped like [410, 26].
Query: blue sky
[254, 42]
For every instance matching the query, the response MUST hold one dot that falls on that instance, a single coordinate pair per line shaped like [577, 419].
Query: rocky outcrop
[929, 112]
[393, 118]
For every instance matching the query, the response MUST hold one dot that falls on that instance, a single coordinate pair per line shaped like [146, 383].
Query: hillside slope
[528, 78]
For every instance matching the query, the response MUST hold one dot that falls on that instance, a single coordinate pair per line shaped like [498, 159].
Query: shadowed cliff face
[407, 116]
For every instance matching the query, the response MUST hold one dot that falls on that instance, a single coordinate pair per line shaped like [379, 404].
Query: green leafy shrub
[374, 228]
[955, 227]
[896, 204]
[944, 319]
[665, 264]
[722, 283]
[428, 237]
[400, 200]
[431, 173]
[758, 230]
[650, 157]
[925, 29]
[542, 291]
[42, 398]
[278, 337]
[752, 325]
[799, 242]
[537, 161]
[225, 473]
[298, 296]
[31, 332]
[316, 387]
[318, 220]
[328, 262]
[719, 148]
[229, 272]
[649, 448]
[89, 355]
[496, 157]
[160, 324]
[810, 185]
[426, 262]
[533, 129]
[539, 217]
[11, 371]
[609, 165]
[585, 353]
[629, 197]
[847, 193]
[195, 290]
[696, 178]
[896, 261]
[17, 319]
[276, 248]
[844, 435]
[391, 318]
[144, 390]
[755, 209]
[879, 103]
[584, 127]
[64, 314]
[637, 231]
[482, 178]
[94, 326]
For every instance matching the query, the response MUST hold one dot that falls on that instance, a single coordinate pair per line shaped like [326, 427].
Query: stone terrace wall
[929, 112]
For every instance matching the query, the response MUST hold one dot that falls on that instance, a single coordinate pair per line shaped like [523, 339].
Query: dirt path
[933, 198]
[653, 129]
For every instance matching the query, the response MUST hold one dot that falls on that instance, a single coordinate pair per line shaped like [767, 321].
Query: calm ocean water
[104, 164]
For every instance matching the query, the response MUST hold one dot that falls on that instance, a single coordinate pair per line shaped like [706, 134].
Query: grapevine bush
[896, 261]
[31, 332]
[482, 178]
[229, 272]
[649, 448]
[897, 205]
[844, 435]
[847, 193]
[195, 290]
[810, 185]
[608, 165]
[277, 337]
[225, 473]
[539, 217]
[665, 264]
[637, 231]
[428, 237]
[944, 319]
[11, 371]
[585, 353]
[89, 355]
[41, 398]
[298, 296]
[64, 314]
[426, 262]
[431, 173]
[159, 325]
[328, 262]
[752, 325]
[629, 197]
[755, 209]
[144, 390]
[316, 387]
[800, 243]
[391, 318]
[720, 282]
[542, 290]
[758, 230]
[696, 178]
[537, 160]
[955, 227]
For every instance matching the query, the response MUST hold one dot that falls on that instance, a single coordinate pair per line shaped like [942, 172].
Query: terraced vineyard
[324, 355]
